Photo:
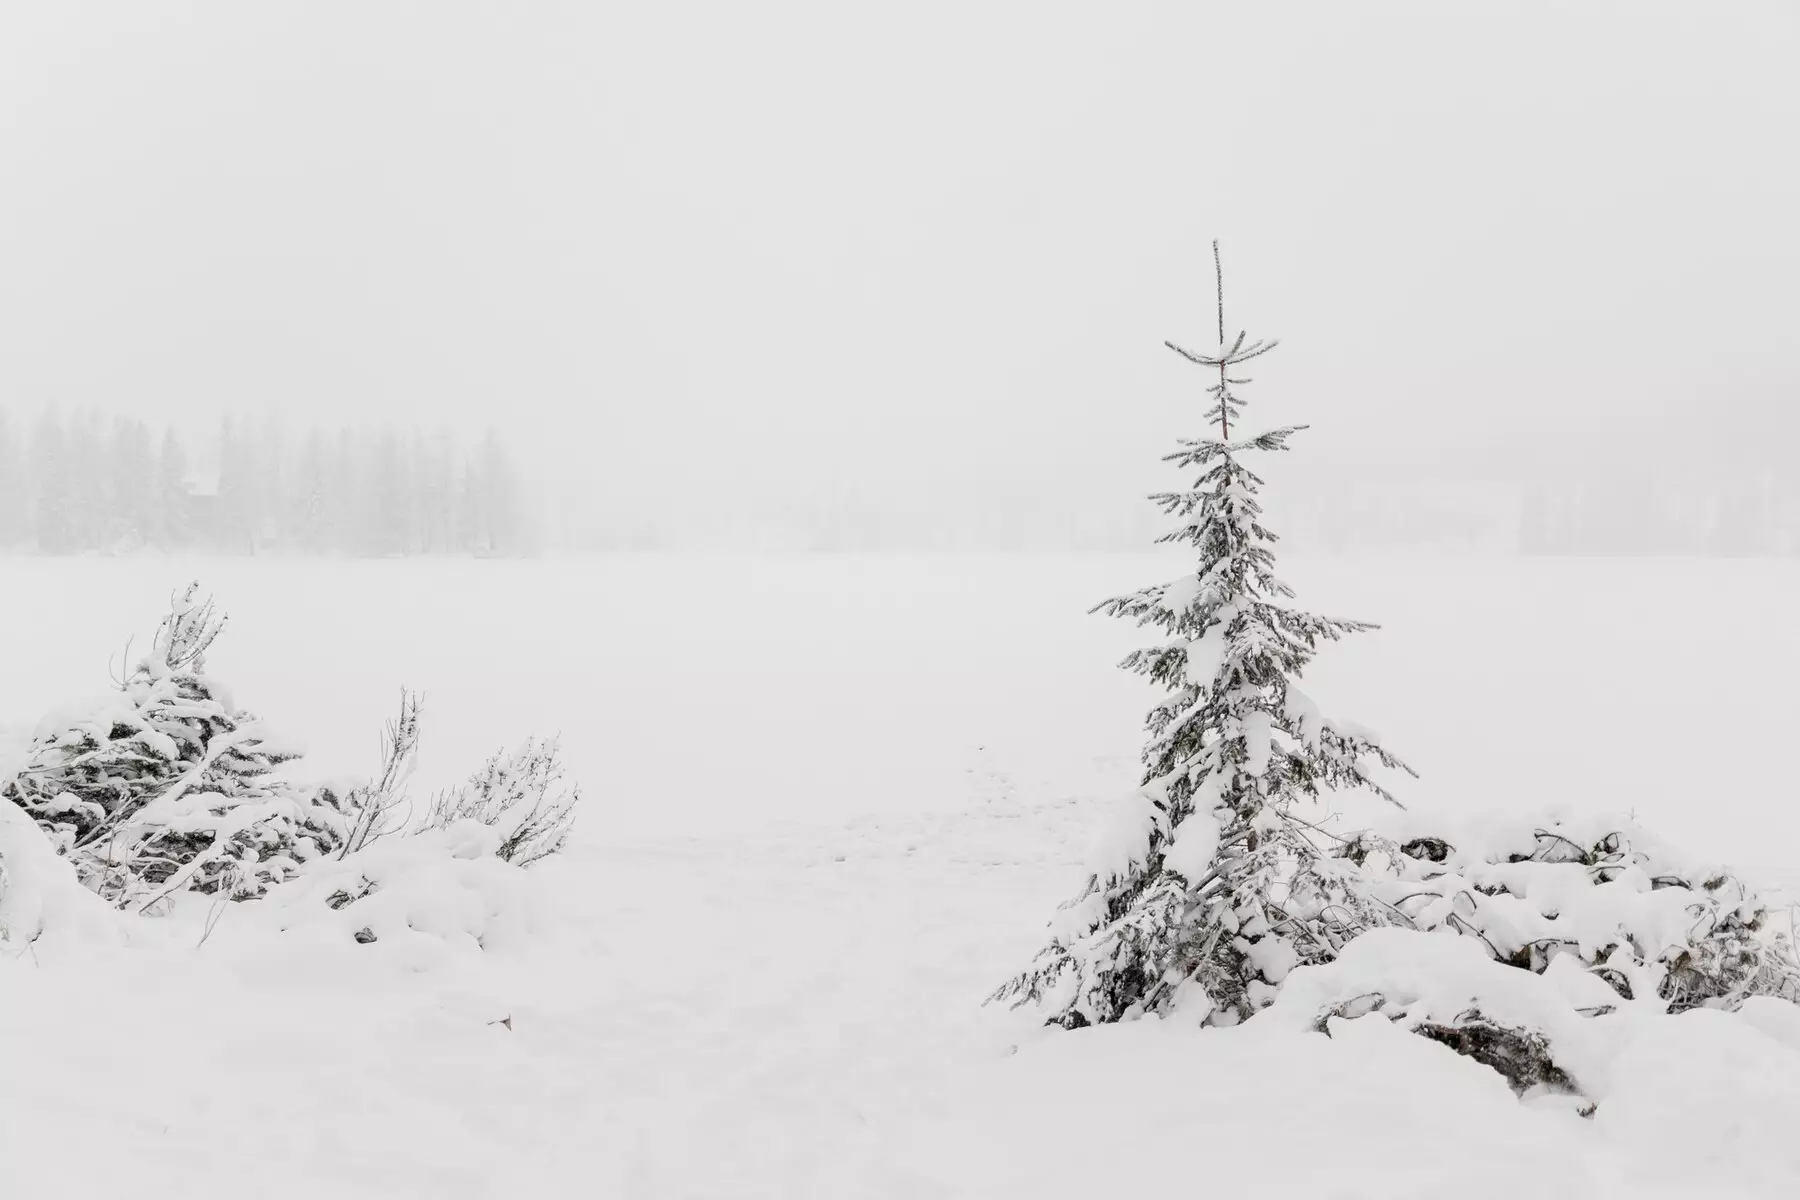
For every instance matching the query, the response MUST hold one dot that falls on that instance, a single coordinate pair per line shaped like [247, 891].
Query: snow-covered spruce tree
[1215, 888]
[166, 786]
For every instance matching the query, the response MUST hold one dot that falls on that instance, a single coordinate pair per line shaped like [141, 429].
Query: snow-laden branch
[1239, 351]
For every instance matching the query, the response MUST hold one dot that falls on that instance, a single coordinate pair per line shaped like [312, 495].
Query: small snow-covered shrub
[1598, 890]
[165, 785]
[456, 879]
[517, 796]
[1519, 941]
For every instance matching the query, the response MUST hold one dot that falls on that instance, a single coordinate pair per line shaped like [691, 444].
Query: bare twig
[375, 802]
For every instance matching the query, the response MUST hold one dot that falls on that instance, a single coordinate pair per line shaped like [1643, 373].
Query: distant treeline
[81, 482]
[1752, 515]
[1714, 516]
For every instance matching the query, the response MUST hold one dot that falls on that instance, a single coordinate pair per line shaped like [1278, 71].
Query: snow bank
[1441, 982]
[419, 900]
[762, 1010]
[1700, 1104]
[39, 893]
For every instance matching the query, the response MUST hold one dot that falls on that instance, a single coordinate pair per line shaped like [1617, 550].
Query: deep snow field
[829, 805]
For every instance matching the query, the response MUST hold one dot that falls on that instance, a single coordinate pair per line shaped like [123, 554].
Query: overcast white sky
[817, 250]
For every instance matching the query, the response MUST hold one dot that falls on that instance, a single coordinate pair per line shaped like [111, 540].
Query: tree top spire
[1219, 276]
[1226, 404]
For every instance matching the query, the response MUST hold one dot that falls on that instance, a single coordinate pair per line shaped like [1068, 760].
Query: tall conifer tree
[53, 506]
[1215, 886]
[173, 528]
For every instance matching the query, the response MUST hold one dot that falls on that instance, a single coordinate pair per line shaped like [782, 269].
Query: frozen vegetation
[834, 796]
[1224, 891]
[387, 1003]
[757, 969]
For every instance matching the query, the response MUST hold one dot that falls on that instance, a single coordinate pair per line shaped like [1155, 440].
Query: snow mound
[39, 892]
[420, 899]
[1438, 983]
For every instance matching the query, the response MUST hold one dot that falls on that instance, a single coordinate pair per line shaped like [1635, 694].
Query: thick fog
[818, 274]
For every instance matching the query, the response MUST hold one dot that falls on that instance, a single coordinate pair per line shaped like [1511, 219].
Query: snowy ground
[830, 804]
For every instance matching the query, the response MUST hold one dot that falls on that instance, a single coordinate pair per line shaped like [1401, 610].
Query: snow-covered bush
[1519, 942]
[452, 879]
[1596, 890]
[1523, 940]
[165, 785]
[517, 796]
